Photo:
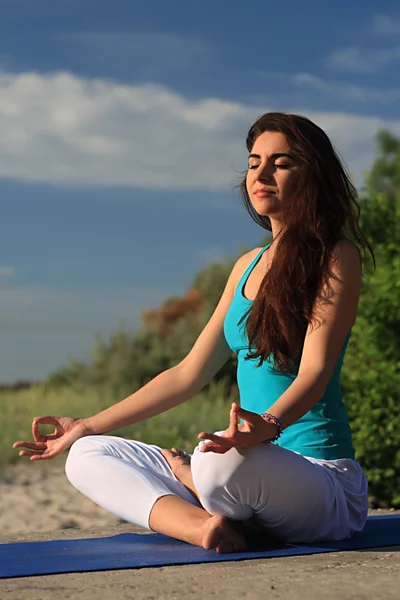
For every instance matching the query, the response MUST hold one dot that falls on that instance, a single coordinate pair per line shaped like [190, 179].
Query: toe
[168, 454]
[177, 451]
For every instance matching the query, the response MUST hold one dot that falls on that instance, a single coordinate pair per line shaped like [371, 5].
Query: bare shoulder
[345, 273]
[250, 255]
[243, 262]
[211, 349]
[346, 247]
[346, 257]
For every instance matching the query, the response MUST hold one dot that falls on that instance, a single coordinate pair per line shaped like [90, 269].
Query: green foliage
[177, 427]
[127, 361]
[371, 373]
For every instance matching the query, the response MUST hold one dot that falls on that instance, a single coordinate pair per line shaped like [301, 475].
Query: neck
[277, 227]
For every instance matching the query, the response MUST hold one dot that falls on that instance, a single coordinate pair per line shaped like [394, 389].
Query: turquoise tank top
[324, 431]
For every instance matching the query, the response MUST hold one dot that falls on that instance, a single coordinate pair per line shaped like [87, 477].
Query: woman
[287, 468]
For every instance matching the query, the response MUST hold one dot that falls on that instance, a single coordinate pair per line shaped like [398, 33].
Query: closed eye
[280, 166]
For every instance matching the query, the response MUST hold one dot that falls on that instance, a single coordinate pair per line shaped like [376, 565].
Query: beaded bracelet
[278, 424]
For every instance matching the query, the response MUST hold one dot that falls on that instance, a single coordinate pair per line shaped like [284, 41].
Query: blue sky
[122, 134]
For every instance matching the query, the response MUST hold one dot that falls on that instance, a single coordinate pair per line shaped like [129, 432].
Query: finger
[30, 445]
[52, 436]
[39, 437]
[47, 420]
[44, 456]
[19, 444]
[247, 415]
[245, 438]
[221, 441]
[233, 418]
[214, 448]
[29, 453]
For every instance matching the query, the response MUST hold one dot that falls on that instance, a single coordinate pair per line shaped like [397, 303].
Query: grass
[178, 427]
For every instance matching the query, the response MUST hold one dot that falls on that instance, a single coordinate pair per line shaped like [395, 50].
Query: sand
[37, 497]
[38, 503]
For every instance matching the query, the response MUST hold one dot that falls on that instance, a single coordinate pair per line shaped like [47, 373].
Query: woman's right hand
[67, 431]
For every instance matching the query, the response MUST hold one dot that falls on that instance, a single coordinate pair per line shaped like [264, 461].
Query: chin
[264, 210]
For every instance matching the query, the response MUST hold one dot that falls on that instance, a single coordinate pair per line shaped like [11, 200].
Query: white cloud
[346, 91]
[385, 26]
[61, 129]
[361, 60]
[6, 271]
[354, 138]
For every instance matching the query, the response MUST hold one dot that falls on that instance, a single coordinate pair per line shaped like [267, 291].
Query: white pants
[294, 498]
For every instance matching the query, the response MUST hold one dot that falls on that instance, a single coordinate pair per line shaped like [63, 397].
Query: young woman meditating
[285, 464]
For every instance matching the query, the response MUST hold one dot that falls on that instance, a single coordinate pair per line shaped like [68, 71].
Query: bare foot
[180, 466]
[216, 532]
[220, 533]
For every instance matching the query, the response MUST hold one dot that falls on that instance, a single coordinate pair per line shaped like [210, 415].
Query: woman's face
[272, 174]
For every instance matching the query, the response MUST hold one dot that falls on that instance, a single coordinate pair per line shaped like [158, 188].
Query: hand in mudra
[67, 431]
[254, 430]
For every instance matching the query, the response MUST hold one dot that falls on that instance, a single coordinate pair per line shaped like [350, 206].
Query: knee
[215, 476]
[76, 462]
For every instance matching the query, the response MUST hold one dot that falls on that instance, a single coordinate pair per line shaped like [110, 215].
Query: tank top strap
[246, 274]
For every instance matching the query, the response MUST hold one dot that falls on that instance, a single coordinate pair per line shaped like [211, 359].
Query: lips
[264, 192]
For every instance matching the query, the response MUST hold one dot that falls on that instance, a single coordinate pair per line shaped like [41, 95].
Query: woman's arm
[165, 391]
[170, 388]
[180, 383]
[334, 313]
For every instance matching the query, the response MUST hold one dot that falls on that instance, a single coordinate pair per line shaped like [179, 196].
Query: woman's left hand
[254, 430]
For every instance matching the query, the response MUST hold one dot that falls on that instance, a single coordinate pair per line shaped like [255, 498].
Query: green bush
[177, 427]
[371, 373]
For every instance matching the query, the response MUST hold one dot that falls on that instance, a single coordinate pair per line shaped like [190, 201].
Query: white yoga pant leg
[288, 495]
[125, 477]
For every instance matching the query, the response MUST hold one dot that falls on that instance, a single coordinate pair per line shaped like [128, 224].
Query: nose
[264, 173]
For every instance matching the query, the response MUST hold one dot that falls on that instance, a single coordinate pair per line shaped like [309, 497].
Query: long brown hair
[324, 210]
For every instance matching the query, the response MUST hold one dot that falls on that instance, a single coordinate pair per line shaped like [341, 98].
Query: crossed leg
[134, 481]
[290, 497]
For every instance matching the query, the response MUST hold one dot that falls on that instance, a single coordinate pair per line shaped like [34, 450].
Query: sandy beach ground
[38, 503]
[37, 497]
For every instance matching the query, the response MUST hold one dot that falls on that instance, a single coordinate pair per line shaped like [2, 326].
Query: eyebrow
[274, 156]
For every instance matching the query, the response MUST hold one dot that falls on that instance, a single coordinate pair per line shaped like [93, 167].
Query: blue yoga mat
[131, 551]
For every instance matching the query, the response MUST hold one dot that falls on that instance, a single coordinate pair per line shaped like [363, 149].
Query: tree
[371, 373]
